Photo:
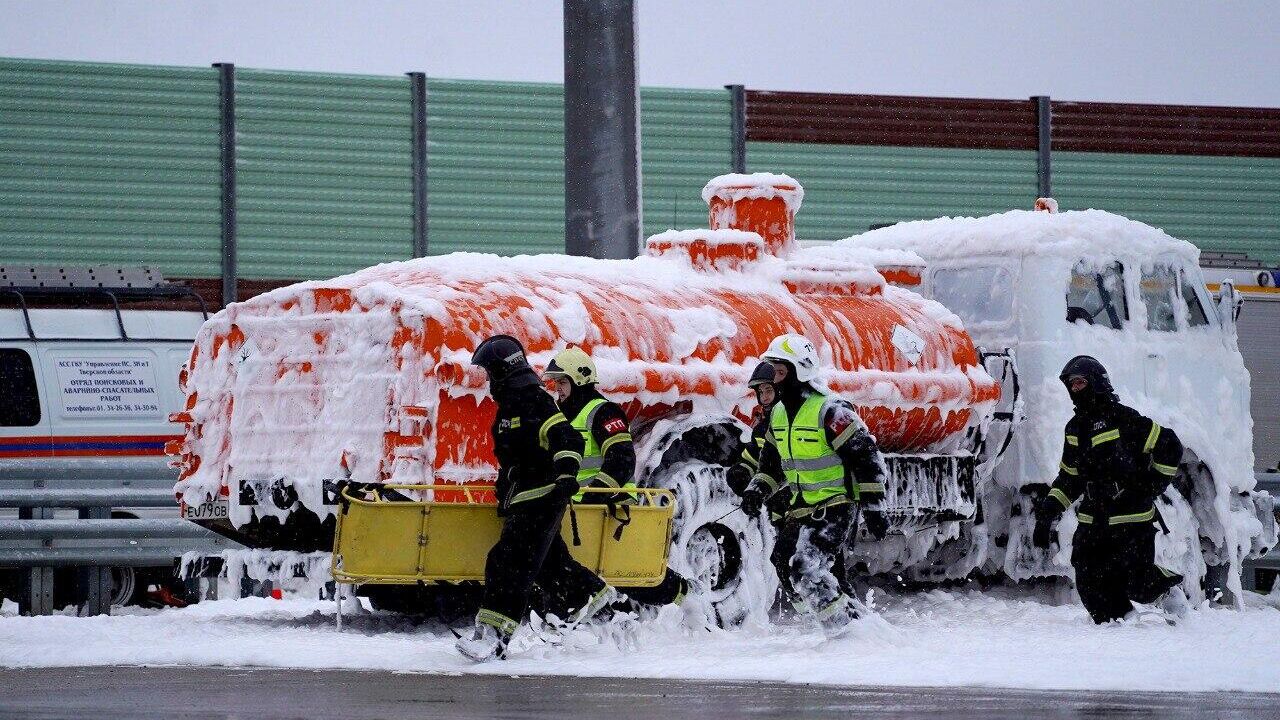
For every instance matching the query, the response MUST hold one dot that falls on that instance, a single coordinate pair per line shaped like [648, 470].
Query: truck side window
[19, 399]
[1195, 310]
[1096, 295]
[1160, 294]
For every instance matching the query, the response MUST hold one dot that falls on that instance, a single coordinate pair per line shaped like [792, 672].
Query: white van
[88, 385]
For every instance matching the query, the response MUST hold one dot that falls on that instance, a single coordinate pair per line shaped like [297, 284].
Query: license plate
[211, 510]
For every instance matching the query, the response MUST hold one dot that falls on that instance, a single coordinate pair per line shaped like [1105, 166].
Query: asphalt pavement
[140, 693]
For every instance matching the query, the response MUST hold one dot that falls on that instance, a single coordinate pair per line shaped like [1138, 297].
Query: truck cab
[1045, 287]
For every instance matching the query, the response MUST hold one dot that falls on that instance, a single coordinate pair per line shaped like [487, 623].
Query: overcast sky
[1174, 51]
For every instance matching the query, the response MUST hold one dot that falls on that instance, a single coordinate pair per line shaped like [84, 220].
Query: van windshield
[1096, 295]
[979, 294]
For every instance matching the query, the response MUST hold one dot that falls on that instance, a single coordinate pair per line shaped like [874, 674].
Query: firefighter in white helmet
[608, 460]
[819, 450]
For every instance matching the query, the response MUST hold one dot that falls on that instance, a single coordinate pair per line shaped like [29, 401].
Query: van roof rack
[115, 283]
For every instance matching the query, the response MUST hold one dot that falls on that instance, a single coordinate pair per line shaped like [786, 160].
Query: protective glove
[752, 501]
[738, 478]
[876, 523]
[566, 488]
[1042, 536]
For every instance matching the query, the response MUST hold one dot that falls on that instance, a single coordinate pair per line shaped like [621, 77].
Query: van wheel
[723, 554]
[125, 586]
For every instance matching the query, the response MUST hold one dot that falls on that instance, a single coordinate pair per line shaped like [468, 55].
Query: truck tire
[723, 553]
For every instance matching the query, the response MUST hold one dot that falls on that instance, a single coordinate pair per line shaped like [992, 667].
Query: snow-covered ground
[937, 638]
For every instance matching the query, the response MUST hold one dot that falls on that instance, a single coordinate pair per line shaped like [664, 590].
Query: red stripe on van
[84, 446]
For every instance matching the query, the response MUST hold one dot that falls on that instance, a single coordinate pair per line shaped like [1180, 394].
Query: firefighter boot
[598, 607]
[1175, 603]
[485, 643]
[838, 618]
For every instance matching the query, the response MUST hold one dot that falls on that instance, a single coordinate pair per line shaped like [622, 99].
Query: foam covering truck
[947, 335]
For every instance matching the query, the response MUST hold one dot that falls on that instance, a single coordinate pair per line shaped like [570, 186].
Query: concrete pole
[601, 130]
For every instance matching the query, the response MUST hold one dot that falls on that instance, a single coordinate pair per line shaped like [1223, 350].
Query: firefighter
[761, 382]
[538, 456]
[608, 459]
[1116, 463]
[739, 476]
[819, 449]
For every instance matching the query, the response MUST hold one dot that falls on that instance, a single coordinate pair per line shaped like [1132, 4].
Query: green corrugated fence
[848, 188]
[323, 173]
[1227, 204]
[113, 164]
[121, 164]
[495, 179]
[495, 159]
[684, 142]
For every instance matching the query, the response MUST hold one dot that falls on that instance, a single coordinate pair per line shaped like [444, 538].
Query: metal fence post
[37, 596]
[1044, 146]
[95, 580]
[737, 128]
[418, 98]
[227, 143]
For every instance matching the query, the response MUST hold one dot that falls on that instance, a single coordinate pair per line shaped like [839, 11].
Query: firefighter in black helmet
[761, 381]
[538, 456]
[608, 457]
[1116, 463]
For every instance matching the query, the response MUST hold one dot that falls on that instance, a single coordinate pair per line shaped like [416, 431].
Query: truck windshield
[1096, 295]
[979, 294]
[1160, 296]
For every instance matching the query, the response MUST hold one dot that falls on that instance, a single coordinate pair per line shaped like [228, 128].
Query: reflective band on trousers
[808, 460]
[1147, 516]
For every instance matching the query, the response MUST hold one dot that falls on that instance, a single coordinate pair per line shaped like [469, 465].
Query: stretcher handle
[657, 497]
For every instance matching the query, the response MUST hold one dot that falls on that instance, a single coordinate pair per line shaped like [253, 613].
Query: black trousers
[830, 531]
[1115, 566]
[531, 550]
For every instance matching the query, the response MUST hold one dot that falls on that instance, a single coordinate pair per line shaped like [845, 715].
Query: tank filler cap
[708, 250]
[763, 203]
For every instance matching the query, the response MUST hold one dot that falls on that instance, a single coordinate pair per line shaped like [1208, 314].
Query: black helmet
[502, 357]
[763, 374]
[1092, 371]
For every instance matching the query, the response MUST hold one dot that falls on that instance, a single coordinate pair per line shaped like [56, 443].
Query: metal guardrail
[86, 498]
[1269, 481]
[98, 529]
[37, 542]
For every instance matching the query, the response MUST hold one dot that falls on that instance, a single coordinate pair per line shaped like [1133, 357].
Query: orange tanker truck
[364, 380]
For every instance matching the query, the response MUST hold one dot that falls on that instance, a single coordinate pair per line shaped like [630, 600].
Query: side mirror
[1230, 302]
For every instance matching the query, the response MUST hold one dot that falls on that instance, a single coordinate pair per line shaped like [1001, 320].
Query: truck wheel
[723, 554]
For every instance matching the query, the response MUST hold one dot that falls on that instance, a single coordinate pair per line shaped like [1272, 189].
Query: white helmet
[797, 350]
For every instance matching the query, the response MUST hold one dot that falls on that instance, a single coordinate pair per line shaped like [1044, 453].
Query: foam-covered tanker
[366, 376]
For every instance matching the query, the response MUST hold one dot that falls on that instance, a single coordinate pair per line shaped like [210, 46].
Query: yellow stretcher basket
[394, 542]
